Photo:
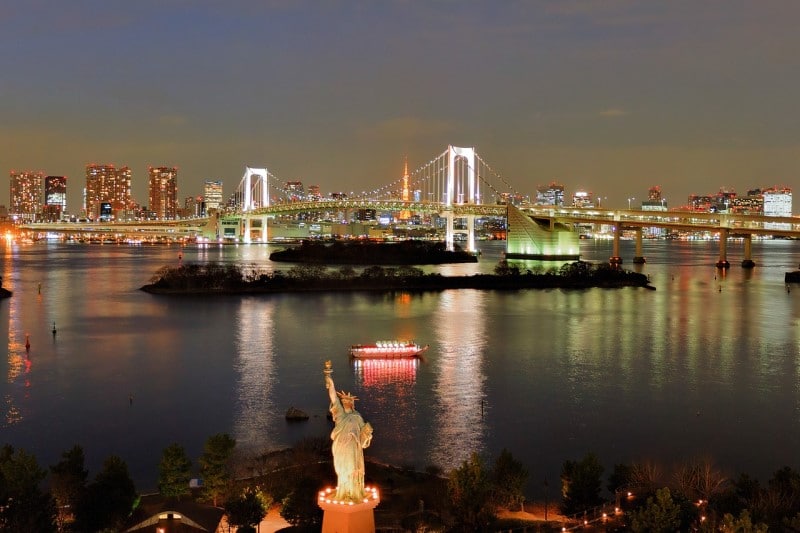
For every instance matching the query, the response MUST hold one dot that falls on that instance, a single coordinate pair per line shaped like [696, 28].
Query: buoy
[27, 342]
[54, 329]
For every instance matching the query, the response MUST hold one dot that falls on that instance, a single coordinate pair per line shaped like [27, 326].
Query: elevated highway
[724, 225]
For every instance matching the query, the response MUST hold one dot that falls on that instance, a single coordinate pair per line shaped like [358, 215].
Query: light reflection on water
[706, 364]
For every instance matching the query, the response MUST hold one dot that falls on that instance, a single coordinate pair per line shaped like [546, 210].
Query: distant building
[212, 196]
[106, 183]
[722, 202]
[552, 194]
[582, 199]
[750, 204]
[654, 202]
[26, 194]
[777, 202]
[313, 193]
[294, 191]
[192, 207]
[163, 197]
[55, 197]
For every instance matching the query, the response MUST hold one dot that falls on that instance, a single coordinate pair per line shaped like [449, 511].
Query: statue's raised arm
[350, 436]
[329, 382]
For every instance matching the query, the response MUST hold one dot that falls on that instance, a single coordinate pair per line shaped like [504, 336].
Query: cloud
[613, 113]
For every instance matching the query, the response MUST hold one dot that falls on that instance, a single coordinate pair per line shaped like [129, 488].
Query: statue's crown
[346, 396]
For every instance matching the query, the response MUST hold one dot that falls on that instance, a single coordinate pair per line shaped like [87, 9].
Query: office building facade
[106, 184]
[26, 195]
[163, 192]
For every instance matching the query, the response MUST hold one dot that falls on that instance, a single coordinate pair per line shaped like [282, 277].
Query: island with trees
[209, 278]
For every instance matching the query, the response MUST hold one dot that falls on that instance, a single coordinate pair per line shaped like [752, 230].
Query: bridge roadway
[725, 224]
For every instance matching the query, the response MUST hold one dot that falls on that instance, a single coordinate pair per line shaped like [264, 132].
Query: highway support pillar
[748, 262]
[616, 259]
[723, 248]
[639, 258]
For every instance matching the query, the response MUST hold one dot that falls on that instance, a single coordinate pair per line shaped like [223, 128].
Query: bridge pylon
[452, 187]
[255, 194]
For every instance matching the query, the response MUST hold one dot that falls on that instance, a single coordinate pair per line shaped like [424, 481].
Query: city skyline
[606, 97]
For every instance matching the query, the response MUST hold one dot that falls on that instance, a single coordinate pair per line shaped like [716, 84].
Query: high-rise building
[582, 199]
[294, 191]
[108, 184]
[212, 196]
[55, 197]
[777, 202]
[192, 207]
[26, 194]
[655, 201]
[163, 197]
[552, 194]
[313, 193]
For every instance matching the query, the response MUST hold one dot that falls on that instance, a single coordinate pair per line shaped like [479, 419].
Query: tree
[174, 472]
[620, 478]
[23, 505]
[68, 483]
[248, 508]
[503, 268]
[661, 514]
[509, 477]
[299, 507]
[469, 488]
[742, 524]
[214, 468]
[109, 498]
[700, 480]
[580, 484]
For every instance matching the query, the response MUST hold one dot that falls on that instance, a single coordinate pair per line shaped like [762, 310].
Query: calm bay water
[707, 365]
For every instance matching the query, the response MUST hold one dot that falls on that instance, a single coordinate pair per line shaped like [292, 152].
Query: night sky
[608, 96]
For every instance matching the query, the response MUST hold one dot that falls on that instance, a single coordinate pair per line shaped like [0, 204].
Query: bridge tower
[255, 194]
[454, 184]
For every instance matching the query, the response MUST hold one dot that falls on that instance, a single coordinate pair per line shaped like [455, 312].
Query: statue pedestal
[346, 518]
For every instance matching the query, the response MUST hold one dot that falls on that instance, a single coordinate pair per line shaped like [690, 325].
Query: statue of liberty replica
[350, 435]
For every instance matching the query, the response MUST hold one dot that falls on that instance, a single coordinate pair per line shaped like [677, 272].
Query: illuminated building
[654, 202]
[294, 191]
[108, 184]
[751, 204]
[313, 193]
[55, 197]
[212, 196]
[777, 202]
[582, 199]
[192, 207]
[163, 197]
[26, 194]
[552, 194]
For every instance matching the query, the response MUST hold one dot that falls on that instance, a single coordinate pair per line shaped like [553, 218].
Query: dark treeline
[210, 278]
[692, 496]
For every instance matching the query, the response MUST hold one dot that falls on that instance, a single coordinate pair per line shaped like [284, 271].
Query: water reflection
[459, 396]
[18, 363]
[255, 369]
[378, 373]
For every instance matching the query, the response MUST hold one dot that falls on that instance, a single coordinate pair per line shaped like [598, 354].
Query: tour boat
[387, 349]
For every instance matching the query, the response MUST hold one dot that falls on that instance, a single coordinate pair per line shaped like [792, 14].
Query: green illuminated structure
[543, 239]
